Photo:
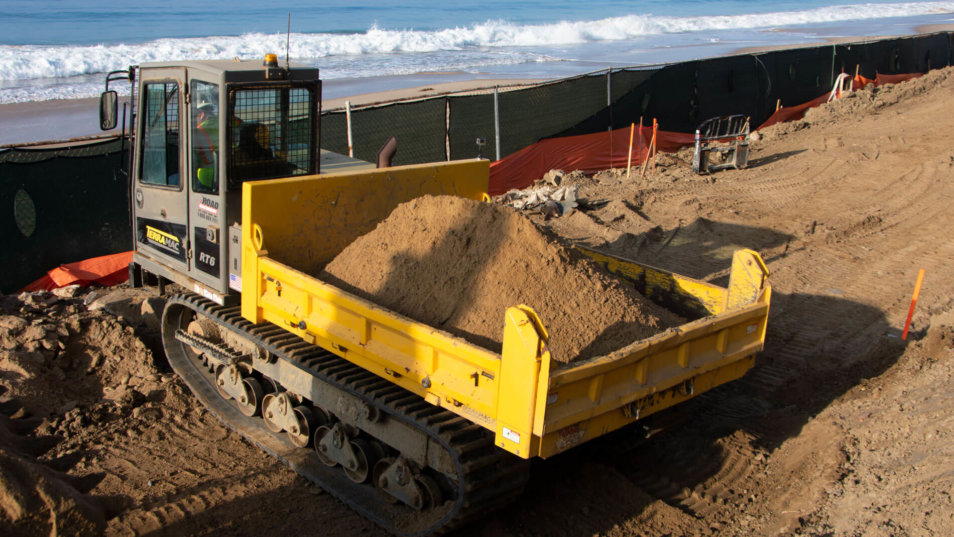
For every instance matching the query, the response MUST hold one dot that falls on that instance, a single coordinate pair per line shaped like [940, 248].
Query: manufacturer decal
[165, 237]
[206, 253]
[163, 240]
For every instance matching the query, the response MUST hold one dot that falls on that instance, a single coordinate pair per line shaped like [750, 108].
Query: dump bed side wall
[309, 220]
[445, 370]
[685, 296]
[589, 399]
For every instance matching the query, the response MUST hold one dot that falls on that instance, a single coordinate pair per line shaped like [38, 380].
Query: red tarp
[603, 150]
[105, 270]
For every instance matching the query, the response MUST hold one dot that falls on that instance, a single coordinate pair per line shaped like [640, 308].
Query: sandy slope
[841, 428]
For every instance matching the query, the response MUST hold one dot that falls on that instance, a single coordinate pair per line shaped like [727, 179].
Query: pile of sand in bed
[458, 264]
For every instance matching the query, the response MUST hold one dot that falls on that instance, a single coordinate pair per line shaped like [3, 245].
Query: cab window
[160, 139]
[270, 133]
[205, 136]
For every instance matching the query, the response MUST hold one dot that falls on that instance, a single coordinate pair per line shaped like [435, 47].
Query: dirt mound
[868, 100]
[57, 354]
[458, 264]
[35, 500]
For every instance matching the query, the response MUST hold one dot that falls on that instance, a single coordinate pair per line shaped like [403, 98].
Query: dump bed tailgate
[292, 227]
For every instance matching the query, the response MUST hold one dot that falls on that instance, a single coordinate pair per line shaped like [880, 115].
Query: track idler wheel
[324, 446]
[273, 409]
[249, 402]
[431, 491]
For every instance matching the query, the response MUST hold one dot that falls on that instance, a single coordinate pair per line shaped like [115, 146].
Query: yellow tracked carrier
[292, 227]
[418, 431]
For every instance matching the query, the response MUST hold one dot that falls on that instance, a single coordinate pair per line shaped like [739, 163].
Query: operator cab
[200, 129]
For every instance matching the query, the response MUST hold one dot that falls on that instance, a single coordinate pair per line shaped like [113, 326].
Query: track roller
[247, 392]
[397, 481]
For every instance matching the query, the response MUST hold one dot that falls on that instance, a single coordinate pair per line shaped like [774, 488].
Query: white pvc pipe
[348, 121]
[497, 121]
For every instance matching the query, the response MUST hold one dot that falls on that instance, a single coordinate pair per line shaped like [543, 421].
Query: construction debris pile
[550, 196]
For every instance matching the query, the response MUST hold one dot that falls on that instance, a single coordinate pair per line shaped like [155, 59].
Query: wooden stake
[651, 152]
[655, 129]
[629, 156]
[914, 300]
[639, 141]
[646, 162]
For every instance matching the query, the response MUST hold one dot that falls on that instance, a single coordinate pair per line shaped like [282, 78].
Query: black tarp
[62, 206]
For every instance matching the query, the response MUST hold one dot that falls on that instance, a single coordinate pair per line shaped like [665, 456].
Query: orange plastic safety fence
[586, 152]
[105, 270]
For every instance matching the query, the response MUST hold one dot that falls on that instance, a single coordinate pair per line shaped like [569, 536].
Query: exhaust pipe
[387, 152]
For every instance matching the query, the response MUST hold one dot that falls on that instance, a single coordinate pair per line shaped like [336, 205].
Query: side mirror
[108, 105]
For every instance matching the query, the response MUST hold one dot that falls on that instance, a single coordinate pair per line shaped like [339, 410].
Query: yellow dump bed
[291, 228]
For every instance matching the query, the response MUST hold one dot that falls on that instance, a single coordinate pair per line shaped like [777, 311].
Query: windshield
[271, 132]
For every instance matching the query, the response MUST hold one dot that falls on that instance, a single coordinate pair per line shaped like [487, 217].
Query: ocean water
[60, 49]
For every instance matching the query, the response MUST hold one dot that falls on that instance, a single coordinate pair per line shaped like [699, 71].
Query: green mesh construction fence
[472, 117]
[418, 126]
[528, 115]
[679, 95]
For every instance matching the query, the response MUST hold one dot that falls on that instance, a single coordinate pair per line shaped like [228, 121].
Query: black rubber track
[488, 478]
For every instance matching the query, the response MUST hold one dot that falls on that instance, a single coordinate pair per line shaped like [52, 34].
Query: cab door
[207, 130]
[160, 195]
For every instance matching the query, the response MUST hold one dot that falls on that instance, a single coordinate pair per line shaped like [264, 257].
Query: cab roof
[235, 70]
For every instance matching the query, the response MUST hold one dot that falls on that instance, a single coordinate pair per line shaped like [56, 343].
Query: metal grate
[271, 134]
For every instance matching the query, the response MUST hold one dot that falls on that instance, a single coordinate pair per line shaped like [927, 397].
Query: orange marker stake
[629, 156]
[914, 300]
[655, 128]
[639, 142]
